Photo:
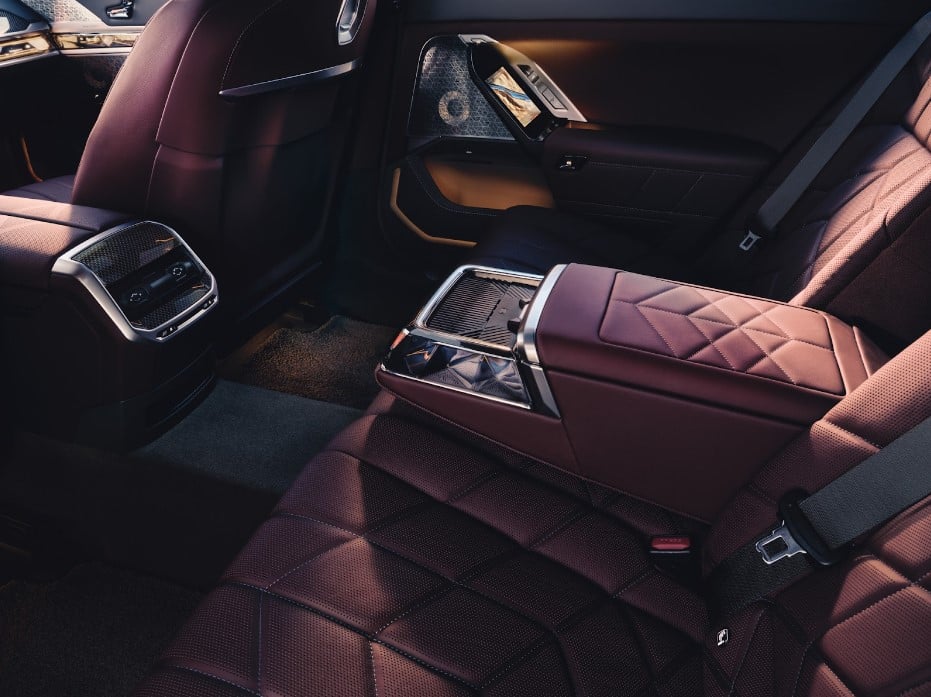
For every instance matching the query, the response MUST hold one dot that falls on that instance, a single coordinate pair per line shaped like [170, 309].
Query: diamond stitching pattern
[504, 608]
[484, 631]
[735, 333]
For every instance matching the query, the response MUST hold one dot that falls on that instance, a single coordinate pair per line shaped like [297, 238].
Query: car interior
[428, 347]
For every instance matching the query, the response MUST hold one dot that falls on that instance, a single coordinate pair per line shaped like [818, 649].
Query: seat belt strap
[818, 530]
[788, 193]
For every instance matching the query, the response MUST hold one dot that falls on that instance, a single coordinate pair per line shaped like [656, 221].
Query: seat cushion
[534, 240]
[58, 189]
[408, 562]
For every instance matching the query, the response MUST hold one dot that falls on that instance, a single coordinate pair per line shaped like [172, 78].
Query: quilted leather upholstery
[863, 627]
[876, 187]
[404, 562]
[411, 559]
[733, 332]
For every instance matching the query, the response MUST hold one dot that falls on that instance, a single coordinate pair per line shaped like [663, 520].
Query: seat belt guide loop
[750, 241]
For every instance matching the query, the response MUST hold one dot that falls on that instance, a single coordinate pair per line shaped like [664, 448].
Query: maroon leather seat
[57, 190]
[411, 558]
[226, 122]
[859, 228]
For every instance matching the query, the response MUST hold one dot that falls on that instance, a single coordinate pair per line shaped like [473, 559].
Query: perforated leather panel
[413, 559]
[403, 562]
[861, 628]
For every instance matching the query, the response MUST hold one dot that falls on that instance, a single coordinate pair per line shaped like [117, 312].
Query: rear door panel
[739, 75]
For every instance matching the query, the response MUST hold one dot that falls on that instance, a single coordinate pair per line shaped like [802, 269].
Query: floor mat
[96, 631]
[250, 436]
[334, 363]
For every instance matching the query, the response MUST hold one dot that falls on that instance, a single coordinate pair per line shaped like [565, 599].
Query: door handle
[122, 11]
[349, 20]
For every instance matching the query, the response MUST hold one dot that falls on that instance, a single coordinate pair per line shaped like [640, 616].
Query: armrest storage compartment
[672, 393]
[677, 394]
[460, 359]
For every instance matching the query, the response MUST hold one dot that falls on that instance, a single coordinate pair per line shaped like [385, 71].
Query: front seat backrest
[223, 123]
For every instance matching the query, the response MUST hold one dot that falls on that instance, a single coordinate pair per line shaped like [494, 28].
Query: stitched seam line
[229, 60]
[374, 674]
[770, 356]
[711, 344]
[725, 324]
[653, 327]
[853, 435]
[617, 165]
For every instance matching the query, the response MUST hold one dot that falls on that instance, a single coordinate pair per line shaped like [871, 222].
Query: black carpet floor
[95, 632]
[181, 507]
[334, 363]
[250, 436]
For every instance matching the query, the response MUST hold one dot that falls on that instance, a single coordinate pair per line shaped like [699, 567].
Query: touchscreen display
[513, 97]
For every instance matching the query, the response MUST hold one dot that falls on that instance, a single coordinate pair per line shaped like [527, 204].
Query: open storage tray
[468, 339]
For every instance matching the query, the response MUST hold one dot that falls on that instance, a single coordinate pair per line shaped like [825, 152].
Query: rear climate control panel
[145, 277]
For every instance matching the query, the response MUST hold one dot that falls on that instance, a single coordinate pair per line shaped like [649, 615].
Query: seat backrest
[856, 245]
[243, 178]
[864, 626]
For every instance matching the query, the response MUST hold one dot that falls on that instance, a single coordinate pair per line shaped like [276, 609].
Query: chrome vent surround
[118, 264]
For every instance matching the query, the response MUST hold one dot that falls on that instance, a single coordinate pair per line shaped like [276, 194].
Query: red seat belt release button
[671, 544]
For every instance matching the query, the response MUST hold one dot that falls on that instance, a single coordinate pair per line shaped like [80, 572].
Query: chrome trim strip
[527, 334]
[27, 59]
[39, 51]
[100, 27]
[96, 43]
[66, 266]
[451, 388]
[90, 52]
[548, 401]
[285, 83]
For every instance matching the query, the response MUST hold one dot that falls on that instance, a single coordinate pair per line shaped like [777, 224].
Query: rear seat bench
[412, 558]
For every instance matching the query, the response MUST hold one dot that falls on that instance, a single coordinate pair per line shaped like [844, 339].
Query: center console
[672, 393]
[106, 337]
[465, 340]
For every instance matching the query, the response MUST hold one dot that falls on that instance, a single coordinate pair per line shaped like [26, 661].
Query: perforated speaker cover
[446, 101]
[11, 23]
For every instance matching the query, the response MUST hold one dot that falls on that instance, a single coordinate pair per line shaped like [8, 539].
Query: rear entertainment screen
[513, 97]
